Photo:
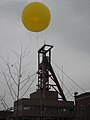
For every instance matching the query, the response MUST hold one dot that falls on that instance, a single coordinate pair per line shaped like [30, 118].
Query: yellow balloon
[36, 16]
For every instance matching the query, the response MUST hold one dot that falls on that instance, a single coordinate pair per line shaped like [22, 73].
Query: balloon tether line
[37, 42]
[45, 37]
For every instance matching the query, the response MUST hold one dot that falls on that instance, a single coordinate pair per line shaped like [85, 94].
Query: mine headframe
[46, 72]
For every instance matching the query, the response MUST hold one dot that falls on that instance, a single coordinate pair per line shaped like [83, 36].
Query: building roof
[83, 95]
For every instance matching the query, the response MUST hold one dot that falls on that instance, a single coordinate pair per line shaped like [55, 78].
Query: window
[26, 108]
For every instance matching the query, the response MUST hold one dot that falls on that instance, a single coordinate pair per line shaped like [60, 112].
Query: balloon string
[37, 43]
[30, 37]
[45, 37]
[44, 41]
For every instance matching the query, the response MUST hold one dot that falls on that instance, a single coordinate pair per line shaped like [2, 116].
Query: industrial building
[6, 115]
[47, 103]
[82, 105]
[44, 104]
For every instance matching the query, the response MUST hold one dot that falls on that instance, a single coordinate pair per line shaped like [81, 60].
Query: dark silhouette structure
[6, 115]
[44, 103]
[82, 105]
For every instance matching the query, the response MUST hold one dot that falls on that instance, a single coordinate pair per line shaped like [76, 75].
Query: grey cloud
[75, 25]
[11, 8]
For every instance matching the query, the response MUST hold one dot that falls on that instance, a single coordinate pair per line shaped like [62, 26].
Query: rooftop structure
[82, 104]
[6, 115]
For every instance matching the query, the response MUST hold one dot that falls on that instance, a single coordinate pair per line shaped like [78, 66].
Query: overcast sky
[69, 32]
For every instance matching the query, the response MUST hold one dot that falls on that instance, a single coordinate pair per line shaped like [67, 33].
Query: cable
[28, 78]
[28, 87]
[69, 77]
[64, 85]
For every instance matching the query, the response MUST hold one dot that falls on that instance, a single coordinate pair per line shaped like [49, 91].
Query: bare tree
[17, 76]
[3, 102]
